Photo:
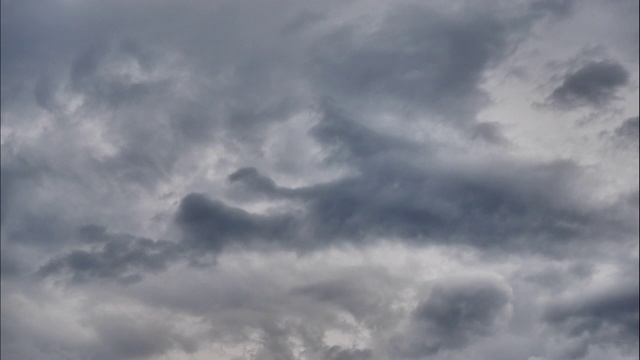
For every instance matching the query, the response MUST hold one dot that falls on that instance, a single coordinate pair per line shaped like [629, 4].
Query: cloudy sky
[320, 180]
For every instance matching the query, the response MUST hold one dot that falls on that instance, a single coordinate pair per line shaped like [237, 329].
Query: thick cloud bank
[335, 180]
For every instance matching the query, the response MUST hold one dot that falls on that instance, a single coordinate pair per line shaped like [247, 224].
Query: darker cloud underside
[393, 197]
[118, 257]
[514, 207]
[595, 84]
[456, 313]
[607, 316]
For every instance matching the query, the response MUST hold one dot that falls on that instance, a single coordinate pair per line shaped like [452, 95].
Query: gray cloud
[17, 178]
[557, 8]
[455, 313]
[604, 316]
[298, 180]
[119, 257]
[394, 197]
[250, 177]
[277, 345]
[420, 56]
[351, 293]
[459, 208]
[338, 353]
[628, 131]
[129, 338]
[212, 224]
[595, 83]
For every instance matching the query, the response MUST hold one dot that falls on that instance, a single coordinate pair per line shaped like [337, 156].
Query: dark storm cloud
[392, 196]
[595, 83]
[502, 209]
[118, 257]
[455, 314]
[605, 316]
[255, 181]
[212, 225]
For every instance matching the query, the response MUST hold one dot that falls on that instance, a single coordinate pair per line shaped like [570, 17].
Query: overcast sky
[320, 180]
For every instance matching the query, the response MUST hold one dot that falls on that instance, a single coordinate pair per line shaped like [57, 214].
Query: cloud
[388, 200]
[350, 293]
[457, 312]
[603, 316]
[628, 131]
[127, 337]
[420, 56]
[119, 257]
[253, 180]
[394, 197]
[212, 224]
[594, 84]
[338, 353]
[557, 8]
[316, 180]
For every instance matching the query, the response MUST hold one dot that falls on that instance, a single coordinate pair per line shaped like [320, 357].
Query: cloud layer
[321, 181]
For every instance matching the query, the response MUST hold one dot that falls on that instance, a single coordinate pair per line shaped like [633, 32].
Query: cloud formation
[319, 180]
[454, 314]
[628, 131]
[595, 83]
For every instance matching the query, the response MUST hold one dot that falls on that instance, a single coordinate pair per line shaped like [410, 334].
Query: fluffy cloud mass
[335, 180]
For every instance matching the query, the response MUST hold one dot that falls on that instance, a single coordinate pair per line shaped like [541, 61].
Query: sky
[319, 180]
